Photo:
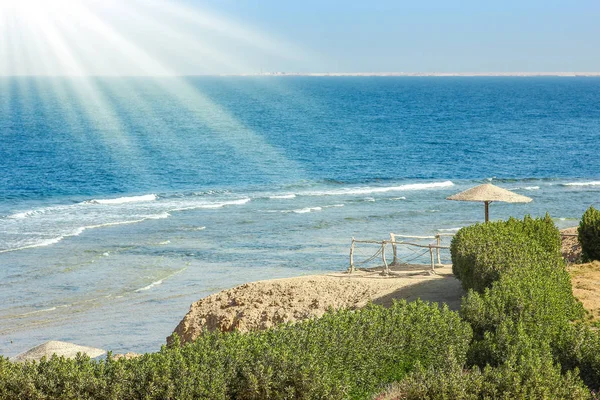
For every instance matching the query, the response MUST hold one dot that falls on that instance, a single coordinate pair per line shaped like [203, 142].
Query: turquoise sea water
[124, 200]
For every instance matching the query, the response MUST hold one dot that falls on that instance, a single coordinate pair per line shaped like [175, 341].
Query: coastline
[263, 304]
[420, 74]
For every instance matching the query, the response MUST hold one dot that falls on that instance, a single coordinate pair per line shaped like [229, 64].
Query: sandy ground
[571, 249]
[263, 304]
[586, 286]
[585, 278]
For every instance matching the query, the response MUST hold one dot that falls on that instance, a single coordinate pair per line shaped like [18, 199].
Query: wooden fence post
[386, 268]
[432, 262]
[394, 249]
[439, 243]
[351, 268]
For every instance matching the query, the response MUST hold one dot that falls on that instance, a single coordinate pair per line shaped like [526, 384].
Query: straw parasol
[488, 193]
[64, 349]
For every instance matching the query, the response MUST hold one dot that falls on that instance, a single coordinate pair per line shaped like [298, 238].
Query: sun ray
[233, 133]
[83, 44]
[236, 31]
[58, 88]
[5, 54]
[164, 35]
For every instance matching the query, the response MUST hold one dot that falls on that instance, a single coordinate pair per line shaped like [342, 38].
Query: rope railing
[433, 249]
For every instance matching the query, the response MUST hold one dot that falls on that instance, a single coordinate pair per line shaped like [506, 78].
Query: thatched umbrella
[488, 193]
[67, 350]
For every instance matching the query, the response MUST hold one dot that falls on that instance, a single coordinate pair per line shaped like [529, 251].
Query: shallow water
[114, 219]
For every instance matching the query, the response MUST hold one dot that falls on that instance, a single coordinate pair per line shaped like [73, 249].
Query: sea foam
[215, 205]
[159, 282]
[305, 210]
[591, 183]
[385, 189]
[122, 200]
[527, 188]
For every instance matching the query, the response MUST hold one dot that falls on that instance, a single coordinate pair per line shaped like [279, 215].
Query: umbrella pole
[487, 211]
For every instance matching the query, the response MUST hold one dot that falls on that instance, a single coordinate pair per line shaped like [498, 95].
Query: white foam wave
[150, 286]
[78, 231]
[398, 198]
[26, 214]
[371, 190]
[527, 188]
[306, 210]
[45, 242]
[38, 311]
[122, 200]
[591, 183]
[38, 212]
[283, 196]
[221, 204]
[158, 282]
[449, 229]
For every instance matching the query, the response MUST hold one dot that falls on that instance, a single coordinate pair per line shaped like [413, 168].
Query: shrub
[537, 295]
[529, 375]
[578, 346]
[480, 253]
[520, 297]
[589, 235]
[343, 355]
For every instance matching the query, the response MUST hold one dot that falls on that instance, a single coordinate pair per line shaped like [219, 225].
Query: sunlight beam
[233, 133]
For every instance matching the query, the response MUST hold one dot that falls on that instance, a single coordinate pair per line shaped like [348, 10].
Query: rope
[374, 256]
[412, 259]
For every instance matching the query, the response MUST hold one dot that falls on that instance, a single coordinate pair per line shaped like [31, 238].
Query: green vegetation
[523, 313]
[589, 235]
[520, 333]
[343, 355]
[529, 375]
[482, 252]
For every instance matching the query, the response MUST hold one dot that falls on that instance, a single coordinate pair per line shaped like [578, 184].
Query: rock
[261, 305]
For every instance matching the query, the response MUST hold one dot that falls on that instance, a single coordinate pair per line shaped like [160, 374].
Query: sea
[124, 200]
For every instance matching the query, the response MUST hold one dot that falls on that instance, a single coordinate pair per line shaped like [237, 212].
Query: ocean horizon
[124, 200]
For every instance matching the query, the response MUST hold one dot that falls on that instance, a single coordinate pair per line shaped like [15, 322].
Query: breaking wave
[123, 200]
[591, 183]
[385, 189]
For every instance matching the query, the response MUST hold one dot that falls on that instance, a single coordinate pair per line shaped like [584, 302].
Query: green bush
[530, 374]
[578, 346]
[589, 235]
[520, 297]
[343, 355]
[537, 295]
[480, 253]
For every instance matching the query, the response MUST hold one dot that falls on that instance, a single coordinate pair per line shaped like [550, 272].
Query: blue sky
[430, 35]
[186, 37]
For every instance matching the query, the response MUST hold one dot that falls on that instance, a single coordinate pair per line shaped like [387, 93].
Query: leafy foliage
[344, 355]
[525, 375]
[482, 252]
[527, 309]
[589, 235]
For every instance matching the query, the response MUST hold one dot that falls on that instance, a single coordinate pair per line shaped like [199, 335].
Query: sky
[190, 37]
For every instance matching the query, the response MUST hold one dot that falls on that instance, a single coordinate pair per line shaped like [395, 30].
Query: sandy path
[263, 304]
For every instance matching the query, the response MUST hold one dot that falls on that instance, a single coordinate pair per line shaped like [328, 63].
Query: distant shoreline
[425, 74]
[337, 74]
